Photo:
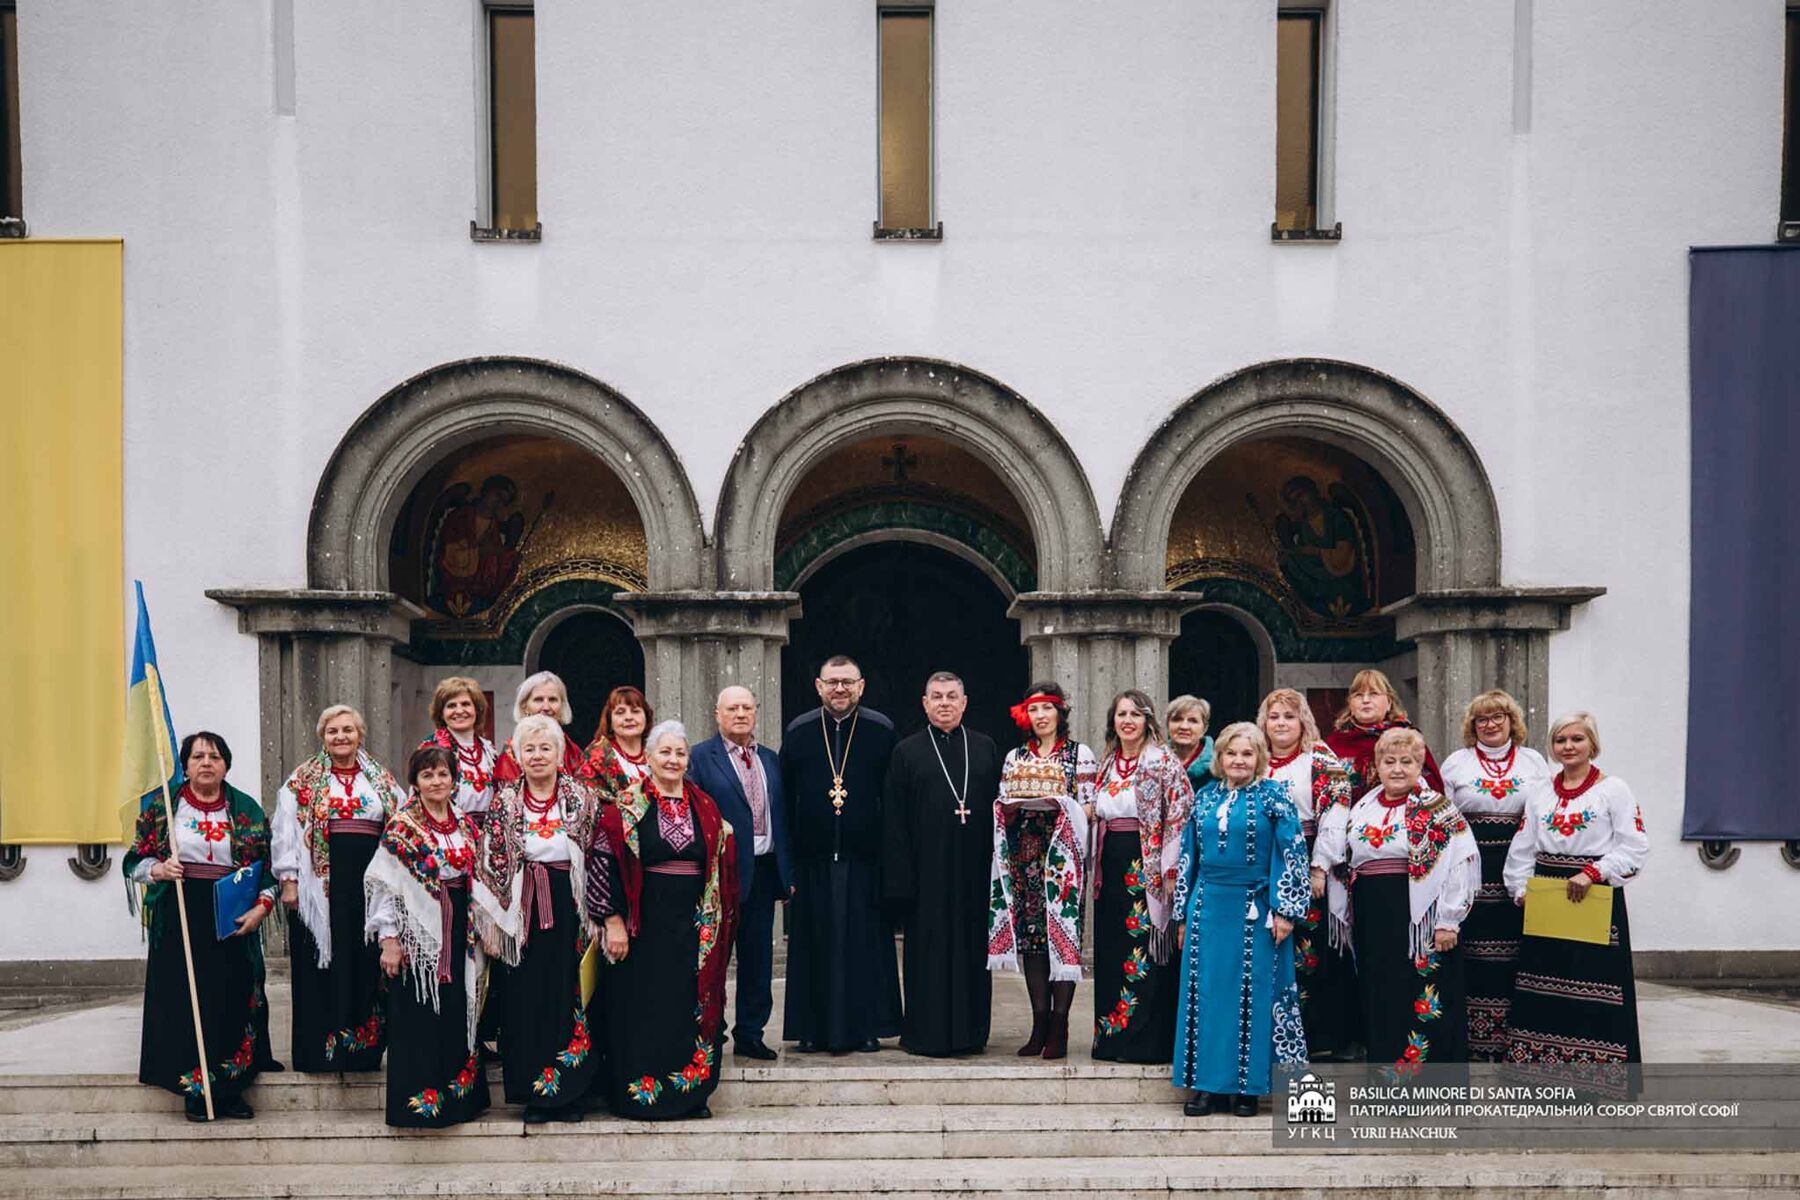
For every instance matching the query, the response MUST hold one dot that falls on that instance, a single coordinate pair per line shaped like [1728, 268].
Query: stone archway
[1471, 631]
[901, 395]
[413, 426]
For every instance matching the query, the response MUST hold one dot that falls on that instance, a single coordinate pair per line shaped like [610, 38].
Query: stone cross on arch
[900, 461]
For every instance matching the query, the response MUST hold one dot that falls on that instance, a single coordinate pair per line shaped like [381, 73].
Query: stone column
[697, 642]
[1098, 643]
[318, 647]
[1473, 639]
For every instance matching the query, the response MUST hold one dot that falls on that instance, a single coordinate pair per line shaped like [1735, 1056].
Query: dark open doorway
[1214, 658]
[903, 610]
[594, 652]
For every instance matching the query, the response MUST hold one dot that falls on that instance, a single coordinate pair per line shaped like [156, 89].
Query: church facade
[1090, 387]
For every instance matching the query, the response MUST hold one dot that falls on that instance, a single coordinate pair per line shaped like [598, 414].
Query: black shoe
[538, 1116]
[1243, 1106]
[237, 1108]
[195, 1106]
[570, 1114]
[271, 1065]
[869, 1047]
[753, 1048]
[1200, 1104]
[703, 1113]
[805, 1047]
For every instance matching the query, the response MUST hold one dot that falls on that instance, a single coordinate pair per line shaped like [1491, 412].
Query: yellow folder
[590, 970]
[1550, 913]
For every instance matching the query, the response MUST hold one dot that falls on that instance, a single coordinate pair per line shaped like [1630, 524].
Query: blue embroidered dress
[1240, 1008]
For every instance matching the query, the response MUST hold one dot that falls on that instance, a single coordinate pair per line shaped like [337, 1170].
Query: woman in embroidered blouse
[1316, 781]
[1488, 780]
[1576, 1002]
[1188, 718]
[1039, 874]
[542, 695]
[457, 709]
[662, 884]
[1240, 888]
[1413, 870]
[417, 888]
[218, 830]
[618, 758]
[1141, 805]
[1372, 709]
[529, 871]
[328, 821]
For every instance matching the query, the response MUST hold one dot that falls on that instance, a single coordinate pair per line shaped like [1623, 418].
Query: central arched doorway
[593, 651]
[903, 609]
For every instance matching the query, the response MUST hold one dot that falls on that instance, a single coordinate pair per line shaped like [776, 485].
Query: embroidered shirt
[545, 839]
[1493, 790]
[1603, 822]
[755, 782]
[456, 858]
[1370, 830]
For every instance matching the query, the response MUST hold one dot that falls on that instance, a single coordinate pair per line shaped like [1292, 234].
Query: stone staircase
[880, 1124]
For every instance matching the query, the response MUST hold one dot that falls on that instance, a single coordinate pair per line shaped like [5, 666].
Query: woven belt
[354, 825]
[448, 913]
[1380, 866]
[537, 896]
[1309, 829]
[675, 866]
[205, 870]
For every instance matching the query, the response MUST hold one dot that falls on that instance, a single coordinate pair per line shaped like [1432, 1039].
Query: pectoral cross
[962, 813]
[838, 795]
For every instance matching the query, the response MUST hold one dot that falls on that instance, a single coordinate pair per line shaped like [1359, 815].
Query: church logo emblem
[1311, 1101]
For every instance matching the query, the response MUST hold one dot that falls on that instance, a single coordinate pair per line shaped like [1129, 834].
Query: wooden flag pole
[187, 940]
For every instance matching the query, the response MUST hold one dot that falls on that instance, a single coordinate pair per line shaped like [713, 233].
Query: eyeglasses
[838, 685]
[1494, 719]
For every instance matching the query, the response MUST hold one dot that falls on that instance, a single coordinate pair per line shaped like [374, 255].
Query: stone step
[856, 1132]
[1615, 1176]
[881, 1079]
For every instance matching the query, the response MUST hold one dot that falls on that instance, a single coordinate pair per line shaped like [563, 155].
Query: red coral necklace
[1565, 794]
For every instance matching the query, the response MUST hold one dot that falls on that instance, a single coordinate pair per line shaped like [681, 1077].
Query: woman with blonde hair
[458, 706]
[1488, 780]
[1372, 708]
[1576, 1002]
[543, 694]
[328, 821]
[1316, 782]
[529, 878]
[1240, 888]
[1414, 868]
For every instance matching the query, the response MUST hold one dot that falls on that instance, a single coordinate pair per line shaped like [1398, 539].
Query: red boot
[1056, 1045]
[1040, 1028]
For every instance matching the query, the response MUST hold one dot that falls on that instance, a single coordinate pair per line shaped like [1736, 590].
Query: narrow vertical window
[512, 119]
[12, 191]
[1790, 139]
[905, 123]
[1297, 47]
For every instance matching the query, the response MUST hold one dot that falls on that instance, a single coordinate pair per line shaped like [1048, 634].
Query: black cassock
[842, 984]
[936, 867]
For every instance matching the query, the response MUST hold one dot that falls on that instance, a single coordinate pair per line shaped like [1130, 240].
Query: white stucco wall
[1105, 176]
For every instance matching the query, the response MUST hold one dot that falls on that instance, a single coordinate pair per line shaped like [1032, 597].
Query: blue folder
[232, 897]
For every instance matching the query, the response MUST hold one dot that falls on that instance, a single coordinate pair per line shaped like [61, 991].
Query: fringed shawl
[497, 882]
[1438, 842]
[715, 917]
[1330, 781]
[1164, 800]
[310, 784]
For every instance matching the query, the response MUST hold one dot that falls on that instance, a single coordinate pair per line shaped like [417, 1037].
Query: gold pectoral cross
[838, 794]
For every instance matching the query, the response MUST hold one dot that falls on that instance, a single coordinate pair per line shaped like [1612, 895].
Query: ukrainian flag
[150, 759]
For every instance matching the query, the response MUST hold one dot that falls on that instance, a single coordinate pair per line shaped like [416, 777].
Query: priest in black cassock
[939, 849]
[843, 991]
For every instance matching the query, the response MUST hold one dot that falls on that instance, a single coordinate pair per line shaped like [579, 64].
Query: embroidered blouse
[475, 757]
[361, 802]
[456, 858]
[1494, 790]
[1603, 823]
[545, 838]
[1369, 831]
[202, 835]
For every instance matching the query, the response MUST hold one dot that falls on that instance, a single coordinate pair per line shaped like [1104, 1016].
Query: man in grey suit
[744, 779]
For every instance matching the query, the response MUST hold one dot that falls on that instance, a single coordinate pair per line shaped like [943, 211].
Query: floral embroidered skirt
[1134, 998]
[1413, 1010]
[339, 1024]
[546, 1049]
[1575, 1003]
[657, 1066]
[1329, 1001]
[433, 1078]
[1028, 842]
[1491, 935]
[233, 1010]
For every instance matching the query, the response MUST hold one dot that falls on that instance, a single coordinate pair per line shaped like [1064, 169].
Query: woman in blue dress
[1240, 886]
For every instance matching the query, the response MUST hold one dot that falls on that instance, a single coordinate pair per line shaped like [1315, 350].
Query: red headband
[1022, 718]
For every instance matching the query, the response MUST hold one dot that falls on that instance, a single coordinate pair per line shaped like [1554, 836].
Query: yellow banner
[62, 538]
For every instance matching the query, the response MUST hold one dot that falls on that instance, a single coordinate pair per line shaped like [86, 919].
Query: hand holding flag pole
[149, 745]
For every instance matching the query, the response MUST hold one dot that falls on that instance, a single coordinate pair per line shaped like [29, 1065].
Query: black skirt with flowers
[1330, 1005]
[546, 1048]
[1134, 997]
[433, 1078]
[1413, 1010]
[233, 1011]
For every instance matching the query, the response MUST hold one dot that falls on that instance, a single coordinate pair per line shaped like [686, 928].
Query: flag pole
[187, 940]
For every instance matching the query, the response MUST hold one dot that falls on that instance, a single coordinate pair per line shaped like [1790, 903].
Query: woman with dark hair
[1141, 807]
[662, 885]
[618, 758]
[327, 825]
[218, 832]
[1373, 708]
[1041, 821]
[457, 708]
[417, 888]
[529, 878]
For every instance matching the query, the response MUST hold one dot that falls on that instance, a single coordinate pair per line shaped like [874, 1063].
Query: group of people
[1258, 898]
